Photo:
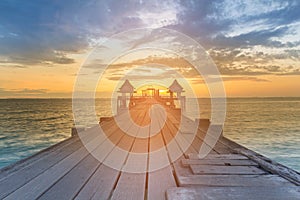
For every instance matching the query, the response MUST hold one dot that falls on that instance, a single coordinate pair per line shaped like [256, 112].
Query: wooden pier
[68, 171]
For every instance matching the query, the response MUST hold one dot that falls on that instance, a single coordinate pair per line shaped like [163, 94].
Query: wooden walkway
[68, 171]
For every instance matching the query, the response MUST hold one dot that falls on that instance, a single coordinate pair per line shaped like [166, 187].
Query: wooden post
[182, 102]
[105, 119]
[74, 130]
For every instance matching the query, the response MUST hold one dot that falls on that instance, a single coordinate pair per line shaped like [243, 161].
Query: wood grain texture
[234, 193]
[233, 180]
[221, 162]
[242, 170]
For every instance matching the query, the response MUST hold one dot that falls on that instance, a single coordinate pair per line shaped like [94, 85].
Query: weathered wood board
[68, 171]
[206, 169]
[234, 193]
[232, 180]
[222, 162]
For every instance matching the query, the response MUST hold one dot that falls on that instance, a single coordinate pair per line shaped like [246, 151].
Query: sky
[255, 44]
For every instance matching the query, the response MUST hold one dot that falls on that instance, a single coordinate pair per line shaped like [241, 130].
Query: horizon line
[231, 97]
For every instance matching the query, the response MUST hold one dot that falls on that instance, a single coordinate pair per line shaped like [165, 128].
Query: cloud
[229, 68]
[11, 65]
[21, 92]
[33, 32]
[33, 93]
[151, 66]
[257, 70]
[229, 23]
[256, 60]
[46, 33]
[135, 75]
[292, 72]
[231, 78]
[257, 37]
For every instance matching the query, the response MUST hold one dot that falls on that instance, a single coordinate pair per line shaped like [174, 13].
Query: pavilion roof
[175, 87]
[126, 87]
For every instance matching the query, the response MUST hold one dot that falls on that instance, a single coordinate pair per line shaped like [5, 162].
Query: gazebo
[125, 89]
[178, 89]
[175, 87]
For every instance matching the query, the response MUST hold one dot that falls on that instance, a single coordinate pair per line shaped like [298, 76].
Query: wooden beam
[271, 166]
[242, 170]
[233, 180]
[234, 193]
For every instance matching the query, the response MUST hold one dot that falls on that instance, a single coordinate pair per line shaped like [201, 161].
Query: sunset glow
[256, 52]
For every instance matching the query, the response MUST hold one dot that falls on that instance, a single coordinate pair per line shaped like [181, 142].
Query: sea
[269, 126]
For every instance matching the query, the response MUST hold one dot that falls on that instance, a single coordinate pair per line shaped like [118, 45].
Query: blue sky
[245, 38]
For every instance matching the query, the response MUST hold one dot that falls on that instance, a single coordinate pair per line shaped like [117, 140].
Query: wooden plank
[157, 120]
[220, 156]
[203, 123]
[118, 155]
[196, 142]
[173, 149]
[87, 166]
[219, 147]
[272, 166]
[105, 119]
[41, 183]
[234, 193]
[222, 149]
[132, 185]
[181, 170]
[210, 138]
[199, 141]
[232, 180]
[173, 119]
[190, 150]
[98, 181]
[17, 179]
[187, 126]
[183, 140]
[264, 162]
[158, 156]
[9, 170]
[113, 136]
[230, 143]
[172, 140]
[47, 153]
[162, 179]
[71, 183]
[223, 162]
[205, 169]
[142, 131]
[23, 176]
[158, 183]
[101, 184]
[137, 161]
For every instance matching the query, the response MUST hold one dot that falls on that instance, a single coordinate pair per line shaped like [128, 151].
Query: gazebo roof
[176, 87]
[126, 87]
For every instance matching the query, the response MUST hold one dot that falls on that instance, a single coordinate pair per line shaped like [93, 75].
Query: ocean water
[30, 125]
[270, 126]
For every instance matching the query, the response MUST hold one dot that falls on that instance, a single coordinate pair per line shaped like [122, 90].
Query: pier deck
[68, 171]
